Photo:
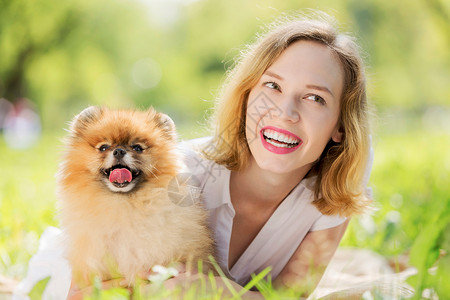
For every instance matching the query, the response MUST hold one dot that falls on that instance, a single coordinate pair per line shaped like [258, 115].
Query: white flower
[162, 273]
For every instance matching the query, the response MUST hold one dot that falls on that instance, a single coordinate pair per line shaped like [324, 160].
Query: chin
[114, 206]
[275, 167]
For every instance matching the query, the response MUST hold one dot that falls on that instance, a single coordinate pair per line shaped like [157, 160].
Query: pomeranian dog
[114, 207]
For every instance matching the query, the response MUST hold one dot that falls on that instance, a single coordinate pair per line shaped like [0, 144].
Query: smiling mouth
[279, 139]
[120, 175]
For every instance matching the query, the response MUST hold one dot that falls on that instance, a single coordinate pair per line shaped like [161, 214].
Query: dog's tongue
[120, 175]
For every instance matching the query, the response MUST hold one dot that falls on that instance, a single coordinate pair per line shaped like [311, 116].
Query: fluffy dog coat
[114, 206]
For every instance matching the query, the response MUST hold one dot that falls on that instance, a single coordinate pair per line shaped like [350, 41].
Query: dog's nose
[119, 153]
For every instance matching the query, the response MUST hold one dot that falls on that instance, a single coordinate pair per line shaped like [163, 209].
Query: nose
[289, 109]
[119, 153]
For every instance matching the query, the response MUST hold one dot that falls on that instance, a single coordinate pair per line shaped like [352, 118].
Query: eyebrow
[310, 86]
[320, 88]
[272, 74]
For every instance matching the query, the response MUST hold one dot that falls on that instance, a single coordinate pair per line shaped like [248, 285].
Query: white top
[280, 236]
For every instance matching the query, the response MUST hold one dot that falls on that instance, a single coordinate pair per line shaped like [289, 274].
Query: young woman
[288, 164]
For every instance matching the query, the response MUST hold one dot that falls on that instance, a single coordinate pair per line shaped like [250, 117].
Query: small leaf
[38, 289]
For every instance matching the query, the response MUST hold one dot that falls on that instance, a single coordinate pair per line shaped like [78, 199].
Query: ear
[87, 116]
[336, 136]
[164, 122]
[167, 125]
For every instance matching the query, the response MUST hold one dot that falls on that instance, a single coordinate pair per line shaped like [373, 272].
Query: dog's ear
[164, 122]
[86, 117]
[167, 125]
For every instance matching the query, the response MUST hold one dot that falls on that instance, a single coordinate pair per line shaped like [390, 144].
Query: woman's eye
[137, 148]
[316, 98]
[103, 148]
[272, 85]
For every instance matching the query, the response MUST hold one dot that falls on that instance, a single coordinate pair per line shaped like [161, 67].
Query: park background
[58, 57]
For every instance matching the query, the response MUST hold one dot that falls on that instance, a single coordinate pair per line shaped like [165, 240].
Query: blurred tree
[21, 44]
[64, 55]
[441, 11]
[405, 44]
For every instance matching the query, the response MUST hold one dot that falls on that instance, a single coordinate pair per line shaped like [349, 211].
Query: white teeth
[275, 137]
[280, 145]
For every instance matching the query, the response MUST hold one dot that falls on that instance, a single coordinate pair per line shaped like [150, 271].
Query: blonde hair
[340, 170]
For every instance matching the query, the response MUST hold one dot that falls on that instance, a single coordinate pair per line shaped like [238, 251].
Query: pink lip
[275, 149]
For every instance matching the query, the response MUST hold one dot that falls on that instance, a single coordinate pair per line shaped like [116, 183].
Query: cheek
[103, 159]
[141, 160]
[260, 109]
[84, 156]
[319, 129]
[155, 157]
[252, 124]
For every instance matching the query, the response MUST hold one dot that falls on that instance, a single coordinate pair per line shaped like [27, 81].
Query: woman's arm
[302, 272]
[308, 263]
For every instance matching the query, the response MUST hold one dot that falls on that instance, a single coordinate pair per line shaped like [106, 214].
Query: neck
[263, 186]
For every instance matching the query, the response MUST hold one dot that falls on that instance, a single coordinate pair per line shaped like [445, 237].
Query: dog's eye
[137, 148]
[103, 147]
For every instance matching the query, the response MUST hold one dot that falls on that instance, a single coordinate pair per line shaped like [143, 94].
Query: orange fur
[110, 232]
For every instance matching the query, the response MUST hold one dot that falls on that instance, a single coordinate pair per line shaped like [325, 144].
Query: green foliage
[427, 248]
[38, 289]
[411, 193]
[410, 188]
[410, 182]
[442, 277]
[27, 201]
[64, 55]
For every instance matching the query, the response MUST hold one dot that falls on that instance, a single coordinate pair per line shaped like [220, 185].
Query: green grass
[27, 201]
[410, 179]
[411, 183]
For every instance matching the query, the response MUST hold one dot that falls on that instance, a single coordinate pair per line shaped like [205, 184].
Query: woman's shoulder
[305, 192]
[194, 146]
[192, 151]
[210, 178]
[195, 162]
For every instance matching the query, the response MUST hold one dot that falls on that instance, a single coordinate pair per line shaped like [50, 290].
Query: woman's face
[293, 111]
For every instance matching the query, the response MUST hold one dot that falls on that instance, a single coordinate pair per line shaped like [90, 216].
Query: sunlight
[165, 12]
